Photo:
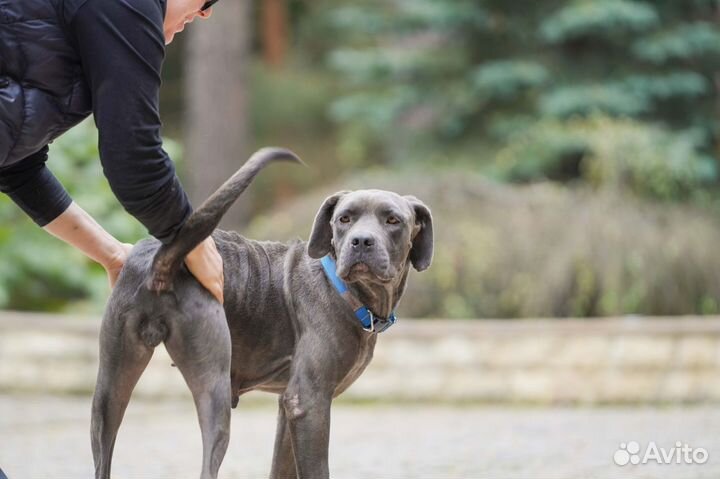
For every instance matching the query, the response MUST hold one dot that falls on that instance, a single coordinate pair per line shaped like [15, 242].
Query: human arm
[32, 186]
[78, 229]
[121, 45]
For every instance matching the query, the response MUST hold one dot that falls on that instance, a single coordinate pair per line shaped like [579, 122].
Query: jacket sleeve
[121, 47]
[31, 185]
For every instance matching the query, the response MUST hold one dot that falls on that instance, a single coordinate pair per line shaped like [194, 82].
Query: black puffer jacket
[61, 60]
[42, 89]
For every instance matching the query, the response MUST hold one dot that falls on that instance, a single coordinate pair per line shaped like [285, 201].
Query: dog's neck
[381, 299]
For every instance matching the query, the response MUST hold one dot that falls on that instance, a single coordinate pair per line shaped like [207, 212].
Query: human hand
[116, 263]
[206, 264]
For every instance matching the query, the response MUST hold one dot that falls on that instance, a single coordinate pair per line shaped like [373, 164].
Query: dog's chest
[363, 358]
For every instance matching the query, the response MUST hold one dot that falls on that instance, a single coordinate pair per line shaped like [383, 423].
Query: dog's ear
[421, 252]
[321, 236]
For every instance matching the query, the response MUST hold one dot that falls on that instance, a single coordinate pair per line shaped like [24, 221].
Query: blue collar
[369, 321]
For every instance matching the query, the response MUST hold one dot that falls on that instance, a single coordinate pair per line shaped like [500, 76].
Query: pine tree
[452, 78]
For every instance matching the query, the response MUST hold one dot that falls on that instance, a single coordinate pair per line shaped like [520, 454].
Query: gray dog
[289, 325]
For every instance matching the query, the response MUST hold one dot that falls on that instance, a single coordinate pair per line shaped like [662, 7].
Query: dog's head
[373, 234]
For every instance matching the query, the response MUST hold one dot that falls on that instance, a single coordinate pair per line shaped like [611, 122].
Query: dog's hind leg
[200, 346]
[283, 464]
[123, 358]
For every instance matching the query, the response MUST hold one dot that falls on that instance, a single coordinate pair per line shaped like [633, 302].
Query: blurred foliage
[38, 271]
[425, 76]
[607, 109]
[607, 19]
[609, 153]
[597, 121]
[288, 108]
[539, 250]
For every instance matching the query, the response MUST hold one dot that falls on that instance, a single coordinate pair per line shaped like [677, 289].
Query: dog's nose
[364, 242]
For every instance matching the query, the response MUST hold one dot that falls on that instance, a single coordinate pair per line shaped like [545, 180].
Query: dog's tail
[205, 219]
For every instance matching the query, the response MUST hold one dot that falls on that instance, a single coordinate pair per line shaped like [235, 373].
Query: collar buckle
[371, 327]
[384, 324]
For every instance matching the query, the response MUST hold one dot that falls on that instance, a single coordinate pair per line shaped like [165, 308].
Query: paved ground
[47, 437]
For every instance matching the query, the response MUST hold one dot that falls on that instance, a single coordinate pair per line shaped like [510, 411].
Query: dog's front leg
[307, 410]
[283, 464]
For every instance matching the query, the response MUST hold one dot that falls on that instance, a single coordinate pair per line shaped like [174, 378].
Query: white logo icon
[629, 453]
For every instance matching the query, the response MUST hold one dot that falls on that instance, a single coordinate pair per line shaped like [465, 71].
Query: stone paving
[47, 437]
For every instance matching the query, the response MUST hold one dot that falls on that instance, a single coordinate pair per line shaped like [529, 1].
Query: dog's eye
[345, 219]
[392, 220]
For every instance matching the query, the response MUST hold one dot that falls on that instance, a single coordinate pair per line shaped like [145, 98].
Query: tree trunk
[216, 125]
[274, 31]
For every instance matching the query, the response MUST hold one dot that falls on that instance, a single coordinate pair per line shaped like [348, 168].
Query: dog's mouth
[361, 270]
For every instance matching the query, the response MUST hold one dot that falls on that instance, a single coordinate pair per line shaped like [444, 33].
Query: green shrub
[609, 153]
[541, 151]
